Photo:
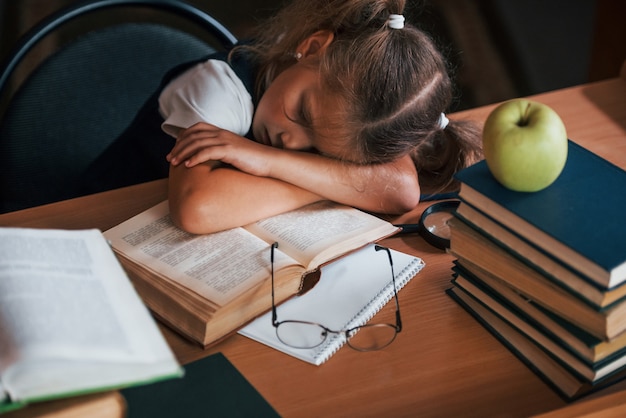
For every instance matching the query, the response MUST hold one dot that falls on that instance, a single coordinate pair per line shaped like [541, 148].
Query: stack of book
[545, 272]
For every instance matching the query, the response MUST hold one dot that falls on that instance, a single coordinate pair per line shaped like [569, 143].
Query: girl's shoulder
[241, 63]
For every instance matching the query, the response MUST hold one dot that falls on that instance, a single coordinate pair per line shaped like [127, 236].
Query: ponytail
[444, 152]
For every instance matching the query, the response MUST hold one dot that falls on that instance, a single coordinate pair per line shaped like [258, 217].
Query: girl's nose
[296, 140]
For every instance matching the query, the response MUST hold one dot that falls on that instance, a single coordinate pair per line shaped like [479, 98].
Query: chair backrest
[79, 99]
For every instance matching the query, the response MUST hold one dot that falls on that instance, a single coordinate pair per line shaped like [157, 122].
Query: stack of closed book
[545, 272]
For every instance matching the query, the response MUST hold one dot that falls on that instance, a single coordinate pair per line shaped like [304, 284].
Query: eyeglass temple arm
[393, 279]
[274, 314]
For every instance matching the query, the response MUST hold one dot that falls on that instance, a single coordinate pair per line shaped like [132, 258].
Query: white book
[70, 320]
[350, 292]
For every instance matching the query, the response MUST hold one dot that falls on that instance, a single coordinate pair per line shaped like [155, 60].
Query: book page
[55, 286]
[217, 266]
[65, 298]
[311, 234]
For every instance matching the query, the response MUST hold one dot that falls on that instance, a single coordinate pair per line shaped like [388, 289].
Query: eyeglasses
[305, 334]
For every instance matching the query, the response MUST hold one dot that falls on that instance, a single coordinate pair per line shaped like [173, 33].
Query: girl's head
[379, 85]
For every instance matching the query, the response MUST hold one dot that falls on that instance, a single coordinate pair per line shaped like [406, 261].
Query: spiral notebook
[350, 292]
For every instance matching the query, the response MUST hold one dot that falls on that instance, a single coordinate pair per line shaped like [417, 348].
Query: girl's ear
[316, 43]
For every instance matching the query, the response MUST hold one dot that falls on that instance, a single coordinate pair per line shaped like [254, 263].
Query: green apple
[525, 145]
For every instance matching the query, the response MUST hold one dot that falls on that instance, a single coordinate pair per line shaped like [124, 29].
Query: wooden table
[443, 363]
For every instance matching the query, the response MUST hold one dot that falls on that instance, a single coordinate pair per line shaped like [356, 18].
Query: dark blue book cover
[211, 387]
[582, 214]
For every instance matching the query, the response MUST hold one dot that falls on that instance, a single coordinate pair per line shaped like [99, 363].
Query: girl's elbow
[192, 216]
[406, 202]
[406, 197]
[403, 190]
[184, 215]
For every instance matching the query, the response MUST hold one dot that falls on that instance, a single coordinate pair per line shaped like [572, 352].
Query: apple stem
[524, 120]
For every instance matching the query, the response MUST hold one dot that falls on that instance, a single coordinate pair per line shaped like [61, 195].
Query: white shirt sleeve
[208, 92]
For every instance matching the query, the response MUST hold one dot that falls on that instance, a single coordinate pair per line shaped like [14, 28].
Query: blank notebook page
[350, 292]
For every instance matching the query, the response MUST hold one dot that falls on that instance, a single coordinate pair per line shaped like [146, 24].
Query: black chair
[81, 97]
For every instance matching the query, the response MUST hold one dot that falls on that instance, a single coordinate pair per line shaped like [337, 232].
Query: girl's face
[296, 113]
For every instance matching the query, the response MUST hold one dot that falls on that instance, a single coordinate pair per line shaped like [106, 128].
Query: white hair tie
[396, 21]
[443, 121]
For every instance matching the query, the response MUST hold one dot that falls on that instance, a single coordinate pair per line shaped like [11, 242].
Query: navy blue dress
[138, 154]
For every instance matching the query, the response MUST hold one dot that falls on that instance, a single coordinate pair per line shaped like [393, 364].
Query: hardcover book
[490, 290]
[212, 387]
[567, 384]
[71, 322]
[475, 250]
[570, 359]
[531, 254]
[578, 219]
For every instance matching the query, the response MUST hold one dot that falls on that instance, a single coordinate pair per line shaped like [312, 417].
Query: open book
[350, 292]
[70, 321]
[208, 286]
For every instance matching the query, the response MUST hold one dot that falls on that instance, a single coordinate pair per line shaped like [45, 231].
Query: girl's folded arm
[390, 188]
[208, 197]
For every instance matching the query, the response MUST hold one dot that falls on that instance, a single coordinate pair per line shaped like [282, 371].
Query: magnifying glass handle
[409, 228]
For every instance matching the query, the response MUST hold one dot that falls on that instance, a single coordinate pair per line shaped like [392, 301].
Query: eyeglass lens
[309, 335]
[372, 337]
[303, 334]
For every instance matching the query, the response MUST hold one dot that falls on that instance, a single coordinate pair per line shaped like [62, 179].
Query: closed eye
[302, 115]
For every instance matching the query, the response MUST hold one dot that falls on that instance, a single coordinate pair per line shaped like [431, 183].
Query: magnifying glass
[433, 224]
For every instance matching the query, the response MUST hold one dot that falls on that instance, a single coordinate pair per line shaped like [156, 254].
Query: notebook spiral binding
[334, 343]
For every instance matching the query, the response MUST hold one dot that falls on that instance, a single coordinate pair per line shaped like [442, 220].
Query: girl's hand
[204, 142]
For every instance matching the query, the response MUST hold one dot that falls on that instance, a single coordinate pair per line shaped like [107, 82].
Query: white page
[64, 298]
[347, 287]
[309, 234]
[217, 266]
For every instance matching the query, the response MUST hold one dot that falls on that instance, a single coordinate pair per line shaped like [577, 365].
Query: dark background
[497, 49]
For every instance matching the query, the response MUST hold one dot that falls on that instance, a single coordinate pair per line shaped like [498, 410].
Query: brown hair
[394, 83]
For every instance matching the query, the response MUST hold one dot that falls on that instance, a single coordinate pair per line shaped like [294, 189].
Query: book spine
[524, 248]
[566, 393]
